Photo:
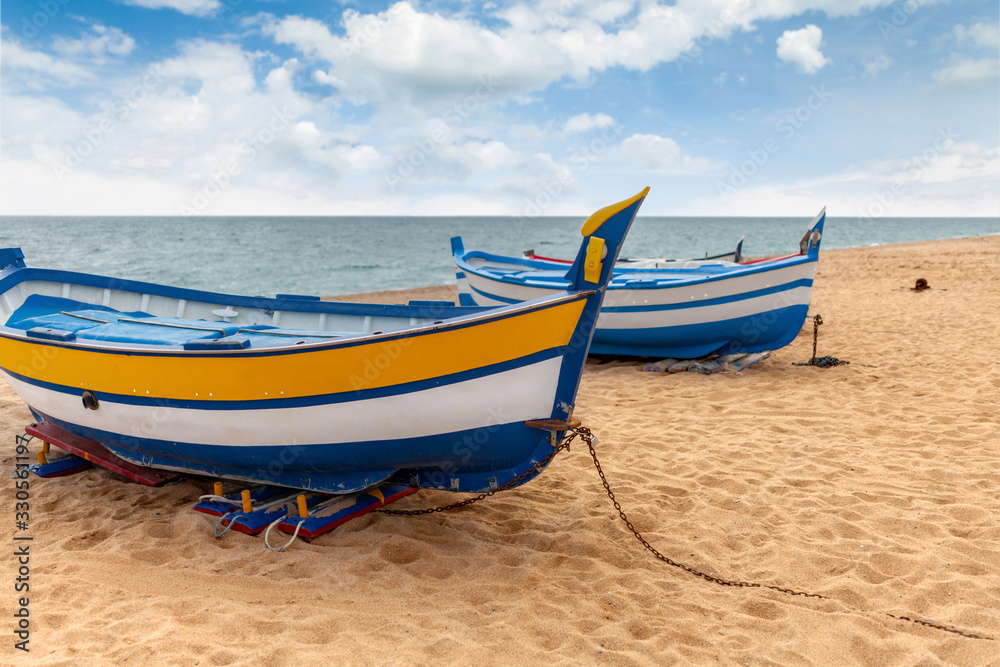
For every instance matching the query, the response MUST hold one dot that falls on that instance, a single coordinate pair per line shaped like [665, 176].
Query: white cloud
[406, 57]
[949, 179]
[36, 70]
[98, 46]
[324, 148]
[155, 138]
[403, 56]
[192, 7]
[878, 64]
[801, 47]
[405, 69]
[483, 155]
[219, 69]
[983, 35]
[585, 122]
[969, 74]
[651, 152]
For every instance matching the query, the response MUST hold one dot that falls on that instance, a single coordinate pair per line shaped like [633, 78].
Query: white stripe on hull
[660, 296]
[732, 286]
[704, 314]
[506, 397]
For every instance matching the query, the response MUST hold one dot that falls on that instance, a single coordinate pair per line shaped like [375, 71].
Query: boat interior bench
[59, 319]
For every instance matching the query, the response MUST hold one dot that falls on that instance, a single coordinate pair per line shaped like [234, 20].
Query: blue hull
[432, 462]
[743, 335]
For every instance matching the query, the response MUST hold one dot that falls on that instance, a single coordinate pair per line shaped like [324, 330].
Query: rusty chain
[818, 320]
[588, 437]
[821, 362]
[512, 483]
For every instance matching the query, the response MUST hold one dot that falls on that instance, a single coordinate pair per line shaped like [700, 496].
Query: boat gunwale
[300, 305]
[810, 255]
[737, 271]
[478, 315]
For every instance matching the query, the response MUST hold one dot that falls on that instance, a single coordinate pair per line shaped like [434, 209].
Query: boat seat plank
[85, 321]
[144, 331]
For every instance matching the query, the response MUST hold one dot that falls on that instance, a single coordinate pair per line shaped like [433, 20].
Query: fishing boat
[684, 310]
[298, 392]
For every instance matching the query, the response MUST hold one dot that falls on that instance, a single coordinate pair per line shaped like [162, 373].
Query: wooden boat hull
[683, 312]
[290, 416]
[440, 399]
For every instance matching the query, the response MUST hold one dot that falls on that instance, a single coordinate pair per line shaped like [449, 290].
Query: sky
[557, 107]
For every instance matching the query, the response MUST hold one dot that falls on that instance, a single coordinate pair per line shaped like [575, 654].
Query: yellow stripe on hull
[240, 377]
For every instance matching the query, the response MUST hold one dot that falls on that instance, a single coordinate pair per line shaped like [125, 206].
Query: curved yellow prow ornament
[596, 249]
[599, 217]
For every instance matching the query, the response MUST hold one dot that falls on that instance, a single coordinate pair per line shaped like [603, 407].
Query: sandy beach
[875, 485]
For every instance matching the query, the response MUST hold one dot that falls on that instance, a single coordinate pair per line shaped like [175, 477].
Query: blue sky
[723, 107]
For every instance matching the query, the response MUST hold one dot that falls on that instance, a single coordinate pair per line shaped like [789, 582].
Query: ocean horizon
[332, 256]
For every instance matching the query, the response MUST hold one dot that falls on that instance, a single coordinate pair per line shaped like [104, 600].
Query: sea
[329, 256]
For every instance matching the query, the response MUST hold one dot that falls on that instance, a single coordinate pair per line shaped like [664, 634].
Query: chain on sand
[587, 436]
[512, 483]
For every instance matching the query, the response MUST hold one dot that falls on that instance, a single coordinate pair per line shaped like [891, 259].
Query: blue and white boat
[298, 392]
[684, 310]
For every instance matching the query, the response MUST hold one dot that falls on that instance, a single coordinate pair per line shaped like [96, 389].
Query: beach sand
[875, 484]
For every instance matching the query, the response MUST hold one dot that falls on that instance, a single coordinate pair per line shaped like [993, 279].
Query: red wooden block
[97, 454]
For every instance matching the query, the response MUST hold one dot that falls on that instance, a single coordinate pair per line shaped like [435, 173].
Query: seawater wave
[346, 255]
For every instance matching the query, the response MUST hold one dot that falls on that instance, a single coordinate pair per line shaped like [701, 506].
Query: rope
[211, 497]
[267, 534]
[221, 518]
